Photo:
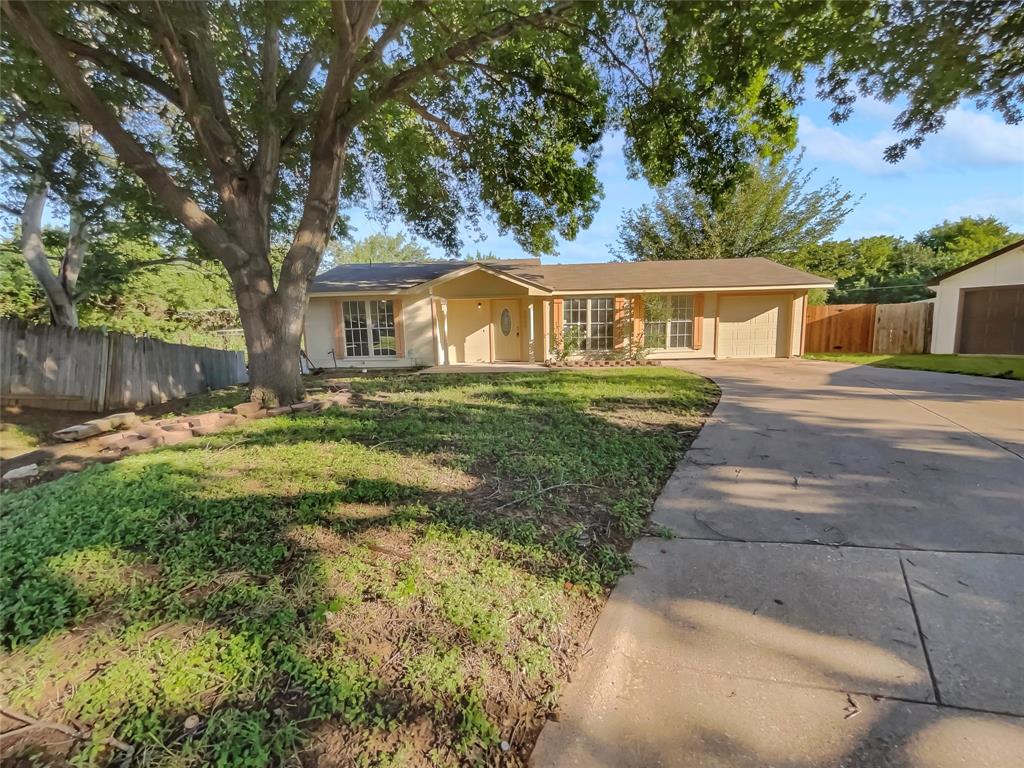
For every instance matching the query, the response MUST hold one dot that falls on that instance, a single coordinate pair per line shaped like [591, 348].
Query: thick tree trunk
[273, 333]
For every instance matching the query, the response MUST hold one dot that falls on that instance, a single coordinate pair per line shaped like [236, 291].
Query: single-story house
[979, 307]
[448, 312]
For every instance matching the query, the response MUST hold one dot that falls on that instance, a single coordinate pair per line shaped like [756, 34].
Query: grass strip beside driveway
[404, 582]
[997, 366]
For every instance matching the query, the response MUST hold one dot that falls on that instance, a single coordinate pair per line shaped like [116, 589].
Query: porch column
[545, 330]
[440, 312]
[531, 352]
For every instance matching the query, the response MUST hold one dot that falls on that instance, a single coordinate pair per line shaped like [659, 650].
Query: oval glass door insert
[506, 322]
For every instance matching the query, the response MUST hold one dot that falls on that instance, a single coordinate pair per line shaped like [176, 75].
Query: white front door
[507, 333]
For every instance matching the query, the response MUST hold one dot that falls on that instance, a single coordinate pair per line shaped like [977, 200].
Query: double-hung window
[369, 328]
[592, 321]
[668, 322]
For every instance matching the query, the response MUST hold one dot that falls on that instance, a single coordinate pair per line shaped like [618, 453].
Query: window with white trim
[593, 321]
[574, 319]
[601, 335]
[668, 322]
[369, 328]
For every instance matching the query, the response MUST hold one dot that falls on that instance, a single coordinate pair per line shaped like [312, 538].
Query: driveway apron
[844, 585]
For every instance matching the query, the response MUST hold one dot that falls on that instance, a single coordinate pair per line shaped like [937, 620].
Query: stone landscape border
[124, 434]
[602, 363]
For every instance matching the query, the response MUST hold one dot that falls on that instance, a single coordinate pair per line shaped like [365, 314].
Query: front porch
[483, 318]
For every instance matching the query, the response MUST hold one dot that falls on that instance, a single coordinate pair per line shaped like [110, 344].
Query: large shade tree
[769, 213]
[59, 179]
[252, 123]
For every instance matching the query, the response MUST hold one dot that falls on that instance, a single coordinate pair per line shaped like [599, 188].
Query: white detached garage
[979, 307]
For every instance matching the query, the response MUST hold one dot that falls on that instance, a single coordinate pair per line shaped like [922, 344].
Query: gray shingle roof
[685, 273]
[381, 277]
[614, 276]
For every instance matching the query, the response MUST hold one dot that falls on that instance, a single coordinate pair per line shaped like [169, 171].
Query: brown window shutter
[619, 329]
[698, 321]
[339, 331]
[396, 305]
[557, 321]
[638, 321]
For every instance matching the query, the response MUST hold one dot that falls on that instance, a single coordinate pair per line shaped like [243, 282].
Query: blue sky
[975, 166]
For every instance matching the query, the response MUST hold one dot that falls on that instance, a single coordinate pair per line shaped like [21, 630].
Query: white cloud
[1008, 208]
[829, 143]
[969, 139]
[876, 109]
[975, 138]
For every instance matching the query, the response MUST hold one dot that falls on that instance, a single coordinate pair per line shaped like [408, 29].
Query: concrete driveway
[845, 586]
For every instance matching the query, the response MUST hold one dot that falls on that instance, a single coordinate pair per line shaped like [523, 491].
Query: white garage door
[751, 326]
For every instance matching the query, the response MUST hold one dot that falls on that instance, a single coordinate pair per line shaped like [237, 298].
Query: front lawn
[1004, 367]
[407, 581]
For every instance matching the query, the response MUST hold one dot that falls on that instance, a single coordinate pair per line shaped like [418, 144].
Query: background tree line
[774, 214]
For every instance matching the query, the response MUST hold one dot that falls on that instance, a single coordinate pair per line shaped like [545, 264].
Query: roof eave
[482, 267]
[697, 289]
[970, 265]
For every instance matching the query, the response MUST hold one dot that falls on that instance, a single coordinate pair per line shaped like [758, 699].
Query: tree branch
[390, 34]
[408, 78]
[72, 83]
[296, 80]
[487, 68]
[121, 66]
[74, 252]
[202, 61]
[265, 164]
[320, 207]
[440, 122]
[215, 141]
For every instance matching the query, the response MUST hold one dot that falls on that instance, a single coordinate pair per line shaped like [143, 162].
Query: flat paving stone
[971, 609]
[708, 721]
[778, 612]
[814, 452]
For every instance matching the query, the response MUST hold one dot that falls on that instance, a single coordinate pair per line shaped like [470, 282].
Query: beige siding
[419, 329]
[468, 332]
[796, 326]
[319, 340]
[468, 327]
[478, 285]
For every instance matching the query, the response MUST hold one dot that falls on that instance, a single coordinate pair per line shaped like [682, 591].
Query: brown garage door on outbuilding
[992, 321]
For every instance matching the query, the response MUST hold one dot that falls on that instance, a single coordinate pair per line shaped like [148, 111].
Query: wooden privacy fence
[89, 370]
[881, 329]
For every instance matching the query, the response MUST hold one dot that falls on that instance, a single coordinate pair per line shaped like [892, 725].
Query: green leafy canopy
[770, 213]
[508, 126]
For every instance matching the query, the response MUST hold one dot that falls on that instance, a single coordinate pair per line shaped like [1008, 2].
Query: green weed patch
[406, 581]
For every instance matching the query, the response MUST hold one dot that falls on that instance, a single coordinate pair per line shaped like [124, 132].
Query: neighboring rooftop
[613, 276]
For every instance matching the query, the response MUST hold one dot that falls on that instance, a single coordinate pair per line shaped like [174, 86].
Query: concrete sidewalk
[847, 587]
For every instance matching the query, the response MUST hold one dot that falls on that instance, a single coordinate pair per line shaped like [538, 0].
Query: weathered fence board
[840, 328]
[902, 329]
[88, 370]
[881, 329]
